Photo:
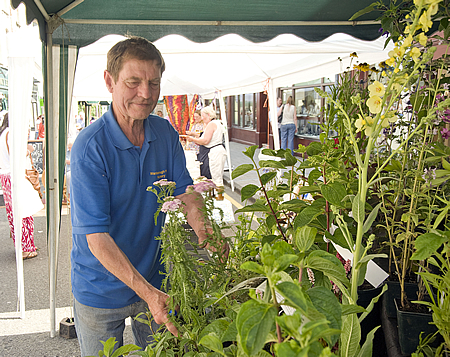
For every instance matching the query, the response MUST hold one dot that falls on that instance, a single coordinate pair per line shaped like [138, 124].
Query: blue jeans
[287, 137]
[94, 325]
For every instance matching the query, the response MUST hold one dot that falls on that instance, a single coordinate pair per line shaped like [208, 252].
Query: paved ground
[31, 336]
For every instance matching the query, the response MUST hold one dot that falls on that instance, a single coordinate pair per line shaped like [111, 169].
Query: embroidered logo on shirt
[159, 174]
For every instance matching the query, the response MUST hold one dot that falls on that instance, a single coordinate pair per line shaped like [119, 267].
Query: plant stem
[268, 202]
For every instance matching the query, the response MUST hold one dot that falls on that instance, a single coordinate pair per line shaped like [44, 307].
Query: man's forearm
[117, 263]
[194, 210]
[105, 249]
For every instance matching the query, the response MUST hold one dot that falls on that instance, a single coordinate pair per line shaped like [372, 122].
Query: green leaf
[256, 207]
[253, 266]
[372, 303]
[271, 163]
[394, 165]
[338, 238]
[240, 170]
[268, 176]
[427, 244]
[350, 336]
[369, 257]
[366, 349]
[248, 191]
[358, 209]
[212, 342]
[125, 350]
[216, 327]
[371, 218]
[250, 151]
[271, 221]
[445, 164]
[284, 261]
[314, 148]
[289, 160]
[326, 303]
[304, 238]
[352, 309]
[309, 213]
[231, 333]
[309, 189]
[292, 205]
[334, 193]
[254, 322]
[366, 10]
[328, 264]
[313, 176]
[293, 294]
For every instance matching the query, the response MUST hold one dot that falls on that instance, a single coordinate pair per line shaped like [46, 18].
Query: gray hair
[210, 111]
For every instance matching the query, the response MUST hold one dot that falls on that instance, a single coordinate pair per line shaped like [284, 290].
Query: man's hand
[159, 308]
[203, 243]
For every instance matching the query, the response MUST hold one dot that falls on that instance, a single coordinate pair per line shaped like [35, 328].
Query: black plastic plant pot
[410, 325]
[394, 292]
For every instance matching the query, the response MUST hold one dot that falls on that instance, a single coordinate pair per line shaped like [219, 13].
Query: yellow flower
[373, 69]
[425, 22]
[396, 87]
[390, 61]
[408, 41]
[374, 104]
[368, 130]
[353, 54]
[364, 67]
[376, 88]
[359, 123]
[422, 38]
[397, 52]
[396, 70]
[433, 9]
[415, 54]
[387, 119]
[383, 64]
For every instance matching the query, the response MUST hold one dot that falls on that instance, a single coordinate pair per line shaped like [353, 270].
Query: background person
[288, 125]
[116, 260]
[212, 153]
[28, 248]
[197, 129]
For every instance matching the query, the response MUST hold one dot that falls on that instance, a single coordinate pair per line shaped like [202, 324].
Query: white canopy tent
[232, 65]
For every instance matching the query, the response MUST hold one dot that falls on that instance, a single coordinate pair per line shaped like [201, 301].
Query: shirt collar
[119, 139]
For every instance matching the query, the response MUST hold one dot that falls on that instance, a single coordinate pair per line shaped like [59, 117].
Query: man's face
[136, 92]
[279, 102]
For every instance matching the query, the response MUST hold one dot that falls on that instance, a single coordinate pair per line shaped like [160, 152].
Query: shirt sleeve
[90, 196]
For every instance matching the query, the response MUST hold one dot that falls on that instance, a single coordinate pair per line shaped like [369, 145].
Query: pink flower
[445, 133]
[171, 204]
[202, 186]
[163, 182]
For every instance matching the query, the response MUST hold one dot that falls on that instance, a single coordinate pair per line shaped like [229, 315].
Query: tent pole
[272, 93]
[223, 118]
[51, 193]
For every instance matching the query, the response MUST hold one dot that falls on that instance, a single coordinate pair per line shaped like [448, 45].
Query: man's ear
[109, 81]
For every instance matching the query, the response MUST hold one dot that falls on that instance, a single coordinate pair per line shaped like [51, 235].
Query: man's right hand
[158, 306]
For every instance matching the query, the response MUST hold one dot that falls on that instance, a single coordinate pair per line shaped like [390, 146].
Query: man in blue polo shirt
[115, 257]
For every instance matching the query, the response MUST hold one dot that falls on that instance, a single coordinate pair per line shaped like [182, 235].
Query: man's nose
[144, 90]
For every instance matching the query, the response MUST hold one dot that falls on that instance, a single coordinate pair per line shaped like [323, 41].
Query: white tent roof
[231, 64]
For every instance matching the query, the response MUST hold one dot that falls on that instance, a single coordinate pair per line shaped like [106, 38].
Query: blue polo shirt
[109, 180]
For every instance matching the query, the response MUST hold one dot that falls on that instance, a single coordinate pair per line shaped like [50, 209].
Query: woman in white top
[212, 153]
[28, 247]
[288, 125]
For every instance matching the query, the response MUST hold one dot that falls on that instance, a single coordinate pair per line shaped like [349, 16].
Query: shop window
[244, 111]
[308, 105]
